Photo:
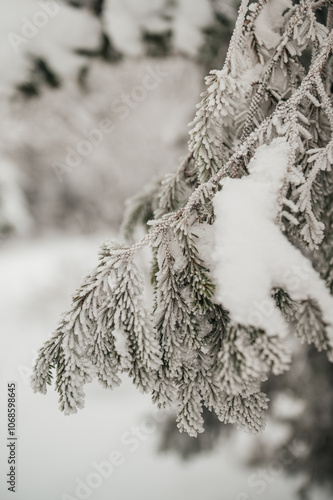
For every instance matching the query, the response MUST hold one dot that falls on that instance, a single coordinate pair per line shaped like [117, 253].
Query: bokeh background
[95, 99]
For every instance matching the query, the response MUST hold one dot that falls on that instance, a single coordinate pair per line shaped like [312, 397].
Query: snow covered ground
[56, 454]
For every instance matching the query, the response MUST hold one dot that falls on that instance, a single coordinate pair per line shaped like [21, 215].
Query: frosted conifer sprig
[247, 410]
[213, 128]
[300, 31]
[210, 141]
[312, 329]
[238, 364]
[85, 344]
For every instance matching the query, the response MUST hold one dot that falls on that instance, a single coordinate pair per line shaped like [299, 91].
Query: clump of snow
[51, 30]
[14, 214]
[122, 348]
[268, 23]
[287, 407]
[123, 29]
[189, 23]
[251, 255]
[227, 9]
[69, 30]
[125, 22]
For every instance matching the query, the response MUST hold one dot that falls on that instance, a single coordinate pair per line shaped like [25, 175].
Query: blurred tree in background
[67, 65]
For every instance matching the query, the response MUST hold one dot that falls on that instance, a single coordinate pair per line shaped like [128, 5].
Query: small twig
[328, 108]
[300, 9]
[329, 20]
[237, 35]
[252, 17]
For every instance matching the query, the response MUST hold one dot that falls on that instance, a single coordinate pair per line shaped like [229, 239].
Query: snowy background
[60, 81]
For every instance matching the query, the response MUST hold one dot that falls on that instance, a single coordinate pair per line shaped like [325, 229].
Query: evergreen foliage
[191, 351]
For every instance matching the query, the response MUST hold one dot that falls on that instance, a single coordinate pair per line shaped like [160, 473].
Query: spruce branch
[207, 189]
[300, 11]
[329, 21]
[191, 352]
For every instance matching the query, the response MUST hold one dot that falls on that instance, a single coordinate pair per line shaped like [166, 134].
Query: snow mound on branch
[268, 23]
[252, 255]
